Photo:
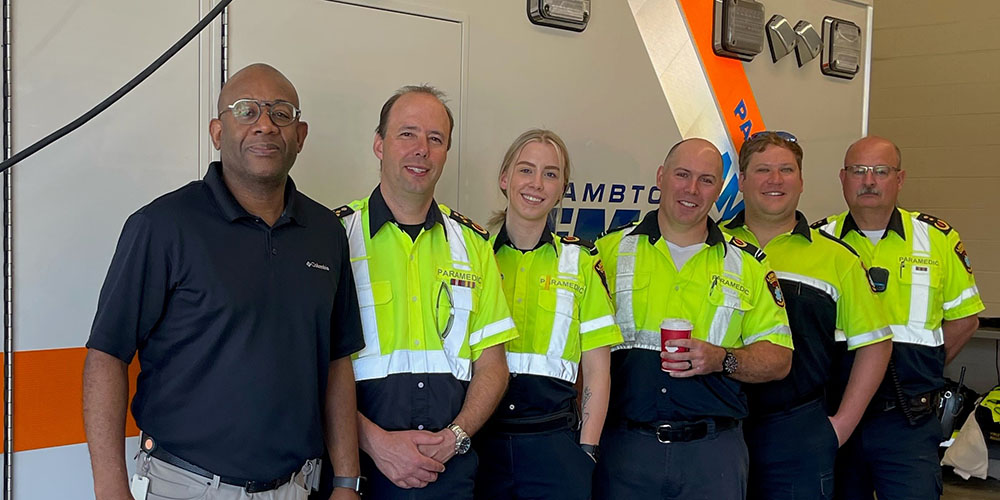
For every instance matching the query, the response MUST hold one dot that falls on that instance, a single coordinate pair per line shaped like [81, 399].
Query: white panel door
[345, 61]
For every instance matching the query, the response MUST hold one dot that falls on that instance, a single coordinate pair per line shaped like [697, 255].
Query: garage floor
[956, 488]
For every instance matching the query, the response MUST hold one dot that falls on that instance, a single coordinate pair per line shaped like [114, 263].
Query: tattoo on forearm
[586, 399]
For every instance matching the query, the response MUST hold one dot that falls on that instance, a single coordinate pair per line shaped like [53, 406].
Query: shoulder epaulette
[573, 240]
[748, 248]
[467, 222]
[838, 240]
[820, 223]
[942, 226]
[343, 211]
[617, 228]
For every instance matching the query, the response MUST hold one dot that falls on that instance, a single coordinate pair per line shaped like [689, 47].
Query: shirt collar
[650, 226]
[801, 225]
[895, 224]
[503, 239]
[232, 209]
[379, 213]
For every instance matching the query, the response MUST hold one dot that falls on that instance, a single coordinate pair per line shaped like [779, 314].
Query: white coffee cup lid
[676, 324]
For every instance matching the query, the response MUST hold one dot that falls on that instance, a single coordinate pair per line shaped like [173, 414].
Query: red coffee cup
[672, 329]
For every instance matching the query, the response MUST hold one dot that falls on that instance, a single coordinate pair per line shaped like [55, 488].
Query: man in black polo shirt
[238, 295]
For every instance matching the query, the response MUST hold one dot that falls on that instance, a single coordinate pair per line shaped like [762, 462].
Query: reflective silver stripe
[830, 228]
[363, 283]
[540, 364]
[780, 329]
[820, 285]
[865, 338]
[642, 339]
[462, 296]
[966, 294]
[919, 336]
[839, 336]
[374, 367]
[490, 330]
[562, 321]
[733, 267]
[624, 277]
[371, 363]
[597, 323]
[920, 281]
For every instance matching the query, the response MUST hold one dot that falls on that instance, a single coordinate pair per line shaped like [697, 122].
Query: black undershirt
[411, 229]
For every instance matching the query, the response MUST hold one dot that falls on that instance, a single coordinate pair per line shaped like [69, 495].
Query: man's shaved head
[691, 147]
[873, 142]
[235, 85]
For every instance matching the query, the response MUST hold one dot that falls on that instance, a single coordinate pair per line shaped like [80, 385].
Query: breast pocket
[375, 301]
[454, 308]
[927, 277]
[563, 307]
[724, 316]
[632, 289]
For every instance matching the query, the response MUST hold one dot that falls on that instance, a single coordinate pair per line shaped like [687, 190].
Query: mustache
[869, 190]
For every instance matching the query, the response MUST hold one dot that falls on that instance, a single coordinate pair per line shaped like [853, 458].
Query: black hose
[105, 104]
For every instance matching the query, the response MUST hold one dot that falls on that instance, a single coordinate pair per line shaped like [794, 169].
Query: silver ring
[690, 365]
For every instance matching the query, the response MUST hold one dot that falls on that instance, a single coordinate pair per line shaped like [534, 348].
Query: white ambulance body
[639, 78]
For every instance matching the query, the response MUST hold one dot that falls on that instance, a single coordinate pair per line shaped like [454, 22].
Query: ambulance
[620, 80]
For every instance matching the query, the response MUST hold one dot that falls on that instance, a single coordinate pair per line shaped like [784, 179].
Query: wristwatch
[729, 363]
[351, 483]
[462, 440]
[591, 449]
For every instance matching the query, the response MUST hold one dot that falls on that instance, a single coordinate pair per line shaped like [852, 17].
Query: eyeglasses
[781, 134]
[879, 171]
[247, 112]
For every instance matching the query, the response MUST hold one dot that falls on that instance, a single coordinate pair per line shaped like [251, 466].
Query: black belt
[148, 445]
[533, 425]
[668, 432]
[922, 403]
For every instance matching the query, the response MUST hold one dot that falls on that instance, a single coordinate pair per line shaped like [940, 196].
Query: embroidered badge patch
[775, 288]
[963, 256]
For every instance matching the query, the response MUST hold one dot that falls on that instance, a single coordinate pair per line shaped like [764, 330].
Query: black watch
[462, 440]
[592, 449]
[729, 363]
[351, 483]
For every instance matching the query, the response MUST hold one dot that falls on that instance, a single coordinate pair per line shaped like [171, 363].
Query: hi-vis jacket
[827, 293]
[429, 307]
[929, 280]
[726, 290]
[557, 295]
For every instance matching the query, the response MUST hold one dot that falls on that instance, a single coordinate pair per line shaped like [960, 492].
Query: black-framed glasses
[879, 171]
[247, 111]
[786, 136]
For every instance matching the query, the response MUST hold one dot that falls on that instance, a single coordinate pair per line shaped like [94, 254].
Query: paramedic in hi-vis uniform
[433, 312]
[672, 429]
[539, 442]
[792, 442]
[924, 277]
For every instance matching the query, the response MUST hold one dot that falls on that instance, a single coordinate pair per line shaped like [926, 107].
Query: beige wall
[935, 91]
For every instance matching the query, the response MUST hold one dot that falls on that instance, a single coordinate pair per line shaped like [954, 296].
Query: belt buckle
[664, 428]
[258, 486]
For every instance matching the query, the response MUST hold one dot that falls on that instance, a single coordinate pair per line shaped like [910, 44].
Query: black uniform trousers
[634, 464]
[455, 483]
[792, 454]
[544, 466]
[887, 455]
